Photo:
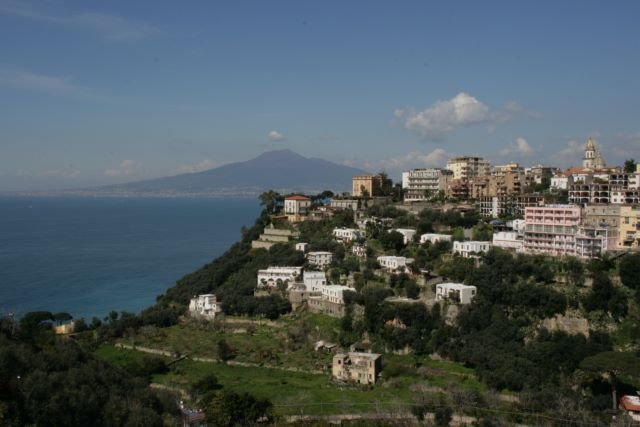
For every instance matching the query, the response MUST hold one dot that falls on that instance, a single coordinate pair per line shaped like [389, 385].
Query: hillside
[281, 170]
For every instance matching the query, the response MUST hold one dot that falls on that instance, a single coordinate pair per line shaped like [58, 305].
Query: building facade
[465, 167]
[455, 292]
[366, 185]
[272, 277]
[422, 184]
[362, 368]
[320, 259]
[204, 306]
[471, 248]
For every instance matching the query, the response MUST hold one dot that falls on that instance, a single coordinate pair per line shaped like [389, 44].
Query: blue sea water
[89, 256]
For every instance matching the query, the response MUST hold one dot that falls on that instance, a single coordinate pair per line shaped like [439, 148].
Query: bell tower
[589, 155]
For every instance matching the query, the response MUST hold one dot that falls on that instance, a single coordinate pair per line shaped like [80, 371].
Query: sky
[95, 93]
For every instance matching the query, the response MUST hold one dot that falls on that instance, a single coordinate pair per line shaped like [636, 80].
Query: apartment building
[421, 184]
[551, 229]
[465, 167]
[510, 240]
[511, 205]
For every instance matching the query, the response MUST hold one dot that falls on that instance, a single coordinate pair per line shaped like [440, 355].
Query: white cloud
[126, 167]
[197, 167]
[436, 158]
[274, 135]
[444, 117]
[520, 146]
[110, 27]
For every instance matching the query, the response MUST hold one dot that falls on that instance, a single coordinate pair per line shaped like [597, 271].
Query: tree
[269, 199]
[630, 271]
[614, 366]
[224, 350]
[629, 166]
[228, 408]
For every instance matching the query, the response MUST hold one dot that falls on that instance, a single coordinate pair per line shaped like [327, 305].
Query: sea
[89, 256]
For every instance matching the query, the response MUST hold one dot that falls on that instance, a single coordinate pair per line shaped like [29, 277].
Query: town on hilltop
[371, 256]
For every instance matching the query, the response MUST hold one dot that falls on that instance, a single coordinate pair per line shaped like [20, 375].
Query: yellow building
[366, 185]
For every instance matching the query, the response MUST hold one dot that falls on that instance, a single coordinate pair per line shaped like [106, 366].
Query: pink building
[551, 229]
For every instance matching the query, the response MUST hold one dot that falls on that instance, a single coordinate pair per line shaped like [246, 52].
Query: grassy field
[306, 393]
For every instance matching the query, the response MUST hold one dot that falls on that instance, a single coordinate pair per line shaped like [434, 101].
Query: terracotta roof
[630, 403]
[297, 197]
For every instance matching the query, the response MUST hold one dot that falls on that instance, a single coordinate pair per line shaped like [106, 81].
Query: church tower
[590, 154]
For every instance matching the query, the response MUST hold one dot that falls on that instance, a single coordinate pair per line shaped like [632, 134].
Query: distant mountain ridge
[280, 170]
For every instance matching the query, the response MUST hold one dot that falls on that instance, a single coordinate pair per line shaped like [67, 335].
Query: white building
[518, 225]
[407, 234]
[205, 306]
[455, 292]
[348, 234]
[335, 293]
[470, 248]
[314, 281]
[434, 238]
[302, 247]
[273, 276]
[420, 184]
[320, 259]
[394, 263]
[359, 250]
[561, 181]
[508, 240]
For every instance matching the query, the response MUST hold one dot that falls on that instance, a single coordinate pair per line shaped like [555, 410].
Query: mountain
[281, 170]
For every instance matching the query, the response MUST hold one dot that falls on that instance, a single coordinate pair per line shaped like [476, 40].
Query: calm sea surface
[90, 256]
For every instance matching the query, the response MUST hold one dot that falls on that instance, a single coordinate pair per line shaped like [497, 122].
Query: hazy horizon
[106, 93]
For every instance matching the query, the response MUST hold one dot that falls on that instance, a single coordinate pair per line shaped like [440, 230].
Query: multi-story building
[620, 220]
[591, 242]
[320, 259]
[551, 229]
[471, 248]
[204, 306]
[455, 292]
[465, 167]
[394, 263]
[359, 250]
[274, 276]
[366, 185]
[458, 189]
[513, 205]
[421, 184]
[506, 180]
[539, 174]
[352, 204]
[363, 368]
[348, 234]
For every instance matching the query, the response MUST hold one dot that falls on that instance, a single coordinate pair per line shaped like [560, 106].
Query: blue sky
[106, 92]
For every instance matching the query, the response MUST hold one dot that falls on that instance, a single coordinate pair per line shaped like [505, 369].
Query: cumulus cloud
[274, 135]
[197, 167]
[126, 167]
[445, 116]
[520, 146]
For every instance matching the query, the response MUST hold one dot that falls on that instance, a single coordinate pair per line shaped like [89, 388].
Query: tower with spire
[592, 157]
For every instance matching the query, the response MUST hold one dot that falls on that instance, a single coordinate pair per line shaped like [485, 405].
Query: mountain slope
[281, 170]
